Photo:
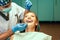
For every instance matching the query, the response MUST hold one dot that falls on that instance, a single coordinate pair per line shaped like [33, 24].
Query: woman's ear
[36, 23]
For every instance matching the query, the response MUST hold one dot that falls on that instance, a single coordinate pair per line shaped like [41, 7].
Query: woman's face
[30, 19]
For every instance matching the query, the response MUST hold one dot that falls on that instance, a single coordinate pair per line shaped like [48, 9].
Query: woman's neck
[30, 29]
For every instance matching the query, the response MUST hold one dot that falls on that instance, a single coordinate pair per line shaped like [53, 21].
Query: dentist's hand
[28, 4]
[19, 27]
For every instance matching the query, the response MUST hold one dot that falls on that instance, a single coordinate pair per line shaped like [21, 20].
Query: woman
[32, 21]
[30, 33]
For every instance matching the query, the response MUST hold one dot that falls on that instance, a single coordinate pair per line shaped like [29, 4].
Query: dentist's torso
[4, 24]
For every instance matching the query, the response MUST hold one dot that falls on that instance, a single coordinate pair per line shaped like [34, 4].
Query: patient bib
[31, 36]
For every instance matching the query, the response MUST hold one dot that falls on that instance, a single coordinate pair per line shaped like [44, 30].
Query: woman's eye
[32, 16]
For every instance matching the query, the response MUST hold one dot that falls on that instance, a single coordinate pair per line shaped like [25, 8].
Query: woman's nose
[29, 17]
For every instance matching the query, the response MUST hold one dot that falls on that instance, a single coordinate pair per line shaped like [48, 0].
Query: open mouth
[29, 21]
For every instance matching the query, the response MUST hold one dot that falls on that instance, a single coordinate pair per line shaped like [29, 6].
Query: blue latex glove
[28, 4]
[19, 27]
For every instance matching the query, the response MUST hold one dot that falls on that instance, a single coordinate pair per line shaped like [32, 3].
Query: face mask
[6, 10]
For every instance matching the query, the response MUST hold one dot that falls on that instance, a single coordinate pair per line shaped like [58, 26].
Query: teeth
[28, 21]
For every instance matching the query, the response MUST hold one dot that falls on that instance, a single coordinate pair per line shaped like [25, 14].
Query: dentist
[10, 12]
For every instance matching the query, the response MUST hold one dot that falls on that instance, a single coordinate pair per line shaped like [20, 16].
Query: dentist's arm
[18, 27]
[5, 35]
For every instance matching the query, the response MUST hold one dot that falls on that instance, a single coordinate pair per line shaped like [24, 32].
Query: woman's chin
[30, 23]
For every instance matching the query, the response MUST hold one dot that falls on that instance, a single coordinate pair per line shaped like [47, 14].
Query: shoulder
[16, 5]
[13, 3]
[42, 36]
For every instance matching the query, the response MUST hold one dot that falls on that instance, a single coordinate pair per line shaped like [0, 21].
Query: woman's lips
[29, 21]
